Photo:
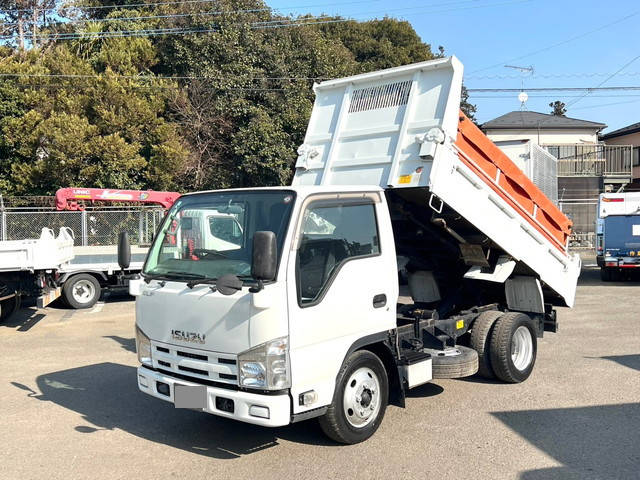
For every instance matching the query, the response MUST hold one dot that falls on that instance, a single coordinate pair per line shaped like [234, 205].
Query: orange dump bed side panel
[505, 178]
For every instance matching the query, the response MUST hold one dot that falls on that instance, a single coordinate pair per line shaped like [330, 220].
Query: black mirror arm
[257, 288]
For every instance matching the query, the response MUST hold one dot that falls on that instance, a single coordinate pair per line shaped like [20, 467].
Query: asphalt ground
[70, 409]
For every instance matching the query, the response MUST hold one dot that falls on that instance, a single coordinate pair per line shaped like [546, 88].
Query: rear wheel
[513, 347]
[480, 341]
[9, 306]
[359, 401]
[605, 274]
[81, 291]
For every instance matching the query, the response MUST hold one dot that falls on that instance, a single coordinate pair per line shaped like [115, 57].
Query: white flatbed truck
[30, 267]
[309, 315]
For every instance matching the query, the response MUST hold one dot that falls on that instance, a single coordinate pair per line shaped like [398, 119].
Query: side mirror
[124, 251]
[265, 256]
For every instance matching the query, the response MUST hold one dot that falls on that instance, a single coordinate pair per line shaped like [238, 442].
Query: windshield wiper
[201, 281]
[172, 275]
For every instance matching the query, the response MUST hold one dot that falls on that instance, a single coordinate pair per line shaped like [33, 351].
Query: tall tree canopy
[171, 95]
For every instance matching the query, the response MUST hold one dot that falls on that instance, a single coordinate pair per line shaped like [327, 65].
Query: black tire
[455, 366]
[79, 281]
[480, 340]
[502, 345]
[9, 306]
[335, 423]
[605, 274]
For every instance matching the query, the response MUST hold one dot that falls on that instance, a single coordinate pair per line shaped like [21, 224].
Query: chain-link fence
[90, 227]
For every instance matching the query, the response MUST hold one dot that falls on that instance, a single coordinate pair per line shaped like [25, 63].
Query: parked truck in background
[30, 268]
[308, 314]
[618, 234]
[50, 267]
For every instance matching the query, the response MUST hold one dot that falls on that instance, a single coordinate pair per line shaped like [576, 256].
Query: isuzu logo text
[188, 336]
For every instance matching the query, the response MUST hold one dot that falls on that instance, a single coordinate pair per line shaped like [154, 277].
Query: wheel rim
[83, 291]
[521, 348]
[361, 399]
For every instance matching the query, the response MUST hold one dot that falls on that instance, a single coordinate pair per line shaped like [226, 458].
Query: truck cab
[618, 234]
[407, 248]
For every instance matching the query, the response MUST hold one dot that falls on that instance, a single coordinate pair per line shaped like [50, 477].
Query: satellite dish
[523, 97]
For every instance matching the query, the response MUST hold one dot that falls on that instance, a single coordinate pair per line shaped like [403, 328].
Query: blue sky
[585, 41]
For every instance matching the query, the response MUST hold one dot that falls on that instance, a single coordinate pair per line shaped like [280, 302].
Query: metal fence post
[141, 227]
[84, 228]
[4, 225]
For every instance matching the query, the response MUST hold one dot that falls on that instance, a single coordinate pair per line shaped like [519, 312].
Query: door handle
[379, 300]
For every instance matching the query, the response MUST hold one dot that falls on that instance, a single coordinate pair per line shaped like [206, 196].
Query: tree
[558, 108]
[99, 110]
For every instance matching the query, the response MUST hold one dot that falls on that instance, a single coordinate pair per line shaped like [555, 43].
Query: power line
[548, 75]
[192, 14]
[604, 81]
[554, 89]
[298, 22]
[558, 44]
[156, 4]
[504, 97]
[145, 77]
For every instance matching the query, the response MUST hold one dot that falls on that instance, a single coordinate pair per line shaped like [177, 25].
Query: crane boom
[67, 198]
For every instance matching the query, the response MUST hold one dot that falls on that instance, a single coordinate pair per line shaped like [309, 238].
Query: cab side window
[332, 234]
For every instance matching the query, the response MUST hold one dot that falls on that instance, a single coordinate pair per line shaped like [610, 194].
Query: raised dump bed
[402, 129]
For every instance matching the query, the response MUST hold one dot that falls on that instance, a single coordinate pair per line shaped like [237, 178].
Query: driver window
[332, 234]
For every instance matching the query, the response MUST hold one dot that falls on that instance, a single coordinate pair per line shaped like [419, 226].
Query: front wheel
[81, 291]
[359, 401]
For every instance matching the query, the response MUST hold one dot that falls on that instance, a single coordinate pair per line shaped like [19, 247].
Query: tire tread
[500, 347]
[480, 341]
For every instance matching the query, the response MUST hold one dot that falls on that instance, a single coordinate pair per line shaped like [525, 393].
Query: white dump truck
[408, 247]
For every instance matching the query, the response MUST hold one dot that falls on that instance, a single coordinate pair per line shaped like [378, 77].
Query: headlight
[143, 347]
[266, 366]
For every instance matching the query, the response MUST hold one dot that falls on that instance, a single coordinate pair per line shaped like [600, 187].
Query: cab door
[342, 286]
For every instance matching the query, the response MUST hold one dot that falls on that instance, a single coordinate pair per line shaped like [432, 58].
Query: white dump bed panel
[398, 128]
[370, 129]
[45, 253]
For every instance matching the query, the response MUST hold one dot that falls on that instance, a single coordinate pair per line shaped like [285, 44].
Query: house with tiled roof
[542, 129]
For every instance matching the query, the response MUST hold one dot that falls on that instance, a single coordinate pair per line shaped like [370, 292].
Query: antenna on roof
[523, 97]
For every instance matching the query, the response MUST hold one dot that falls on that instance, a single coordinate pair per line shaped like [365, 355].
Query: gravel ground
[71, 409]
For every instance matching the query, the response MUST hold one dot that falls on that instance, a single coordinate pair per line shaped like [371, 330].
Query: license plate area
[190, 396]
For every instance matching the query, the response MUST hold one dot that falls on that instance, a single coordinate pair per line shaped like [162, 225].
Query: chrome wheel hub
[361, 401]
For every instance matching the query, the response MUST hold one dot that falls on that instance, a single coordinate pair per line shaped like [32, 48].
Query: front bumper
[279, 405]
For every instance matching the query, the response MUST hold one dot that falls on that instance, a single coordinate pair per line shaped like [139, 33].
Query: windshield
[211, 234]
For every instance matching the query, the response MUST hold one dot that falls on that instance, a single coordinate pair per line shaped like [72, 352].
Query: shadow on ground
[591, 442]
[24, 319]
[590, 277]
[129, 344]
[631, 361]
[107, 397]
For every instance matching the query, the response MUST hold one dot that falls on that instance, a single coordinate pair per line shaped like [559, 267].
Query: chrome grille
[197, 364]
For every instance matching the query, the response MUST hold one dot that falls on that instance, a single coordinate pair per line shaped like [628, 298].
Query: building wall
[544, 137]
[631, 139]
